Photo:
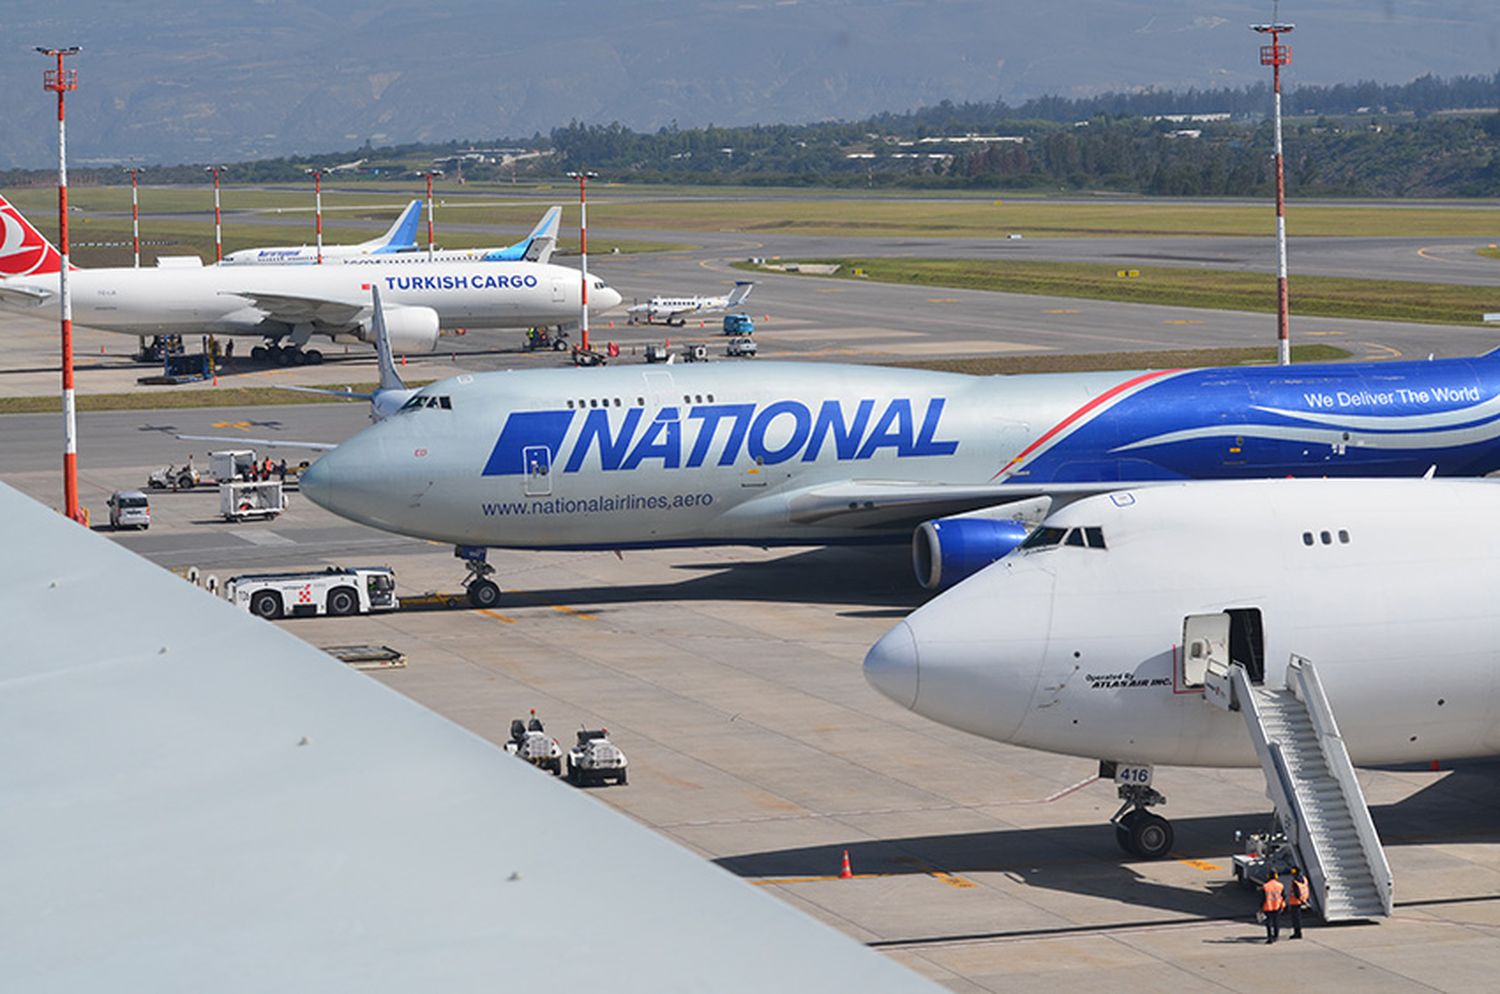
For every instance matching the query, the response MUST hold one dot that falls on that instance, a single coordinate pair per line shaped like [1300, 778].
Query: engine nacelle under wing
[947, 550]
[410, 329]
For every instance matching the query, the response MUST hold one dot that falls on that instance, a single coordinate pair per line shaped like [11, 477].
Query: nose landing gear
[1137, 830]
[482, 591]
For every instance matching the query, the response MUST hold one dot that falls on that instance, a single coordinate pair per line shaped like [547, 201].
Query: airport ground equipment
[129, 509]
[538, 339]
[241, 501]
[336, 590]
[743, 348]
[695, 352]
[367, 657]
[1318, 801]
[1263, 852]
[657, 352]
[529, 741]
[595, 759]
[172, 477]
[227, 465]
[738, 324]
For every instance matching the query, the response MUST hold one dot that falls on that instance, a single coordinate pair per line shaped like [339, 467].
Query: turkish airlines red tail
[23, 250]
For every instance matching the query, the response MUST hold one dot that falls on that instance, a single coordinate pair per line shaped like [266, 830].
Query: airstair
[1311, 782]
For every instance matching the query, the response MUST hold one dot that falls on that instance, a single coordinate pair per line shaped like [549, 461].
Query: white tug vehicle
[530, 741]
[595, 759]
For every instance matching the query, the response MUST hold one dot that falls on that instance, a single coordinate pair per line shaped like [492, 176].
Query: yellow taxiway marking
[1182, 321]
[942, 300]
[1202, 864]
[242, 425]
[1423, 253]
[1061, 310]
[951, 880]
[1393, 353]
[831, 289]
[1321, 334]
[573, 611]
[497, 616]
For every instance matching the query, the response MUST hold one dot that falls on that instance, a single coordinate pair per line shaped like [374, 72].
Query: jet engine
[946, 550]
[410, 329]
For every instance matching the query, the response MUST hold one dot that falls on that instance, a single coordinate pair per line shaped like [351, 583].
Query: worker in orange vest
[1297, 897]
[1272, 901]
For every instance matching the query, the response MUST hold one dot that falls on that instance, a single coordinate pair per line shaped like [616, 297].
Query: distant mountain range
[198, 80]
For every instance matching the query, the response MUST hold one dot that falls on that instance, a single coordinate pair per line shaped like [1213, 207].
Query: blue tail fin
[402, 236]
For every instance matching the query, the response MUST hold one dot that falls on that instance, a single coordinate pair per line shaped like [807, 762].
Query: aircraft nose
[607, 298]
[315, 482]
[891, 665]
[981, 645]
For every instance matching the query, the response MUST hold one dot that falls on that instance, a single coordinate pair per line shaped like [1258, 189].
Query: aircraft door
[538, 462]
[1205, 645]
[559, 292]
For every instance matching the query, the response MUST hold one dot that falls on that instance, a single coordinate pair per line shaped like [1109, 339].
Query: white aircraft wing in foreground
[199, 801]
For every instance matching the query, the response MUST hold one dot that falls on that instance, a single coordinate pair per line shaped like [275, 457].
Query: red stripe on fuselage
[1062, 425]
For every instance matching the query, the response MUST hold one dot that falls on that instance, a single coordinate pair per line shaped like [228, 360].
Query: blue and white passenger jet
[807, 454]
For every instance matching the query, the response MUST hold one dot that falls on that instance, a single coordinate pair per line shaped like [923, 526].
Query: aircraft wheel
[1151, 836]
[259, 353]
[484, 593]
[1122, 830]
[313, 357]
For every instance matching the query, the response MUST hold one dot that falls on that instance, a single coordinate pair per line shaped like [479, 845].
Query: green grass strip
[1321, 296]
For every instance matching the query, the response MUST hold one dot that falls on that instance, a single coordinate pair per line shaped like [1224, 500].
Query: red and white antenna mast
[135, 214]
[318, 207]
[218, 224]
[431, 245]
[60, 80]
[1277, 55]
[583, 178]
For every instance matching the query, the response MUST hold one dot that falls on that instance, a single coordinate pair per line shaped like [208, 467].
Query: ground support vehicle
[545, 338]
[1264, 852]
[246, 501]
[336, 590]
[129, 509]
[530, 741]
[184, 477]
[657, 353]
[738, 324]
[744, 348]
[595, 759]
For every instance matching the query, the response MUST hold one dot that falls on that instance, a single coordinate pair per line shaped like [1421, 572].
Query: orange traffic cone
[846, 873]
[701, 324]
[403, 360]
[611, 324]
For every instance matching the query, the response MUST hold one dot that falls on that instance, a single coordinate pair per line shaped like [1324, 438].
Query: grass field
[1323, 296]
[795, 211]
[1490, 251]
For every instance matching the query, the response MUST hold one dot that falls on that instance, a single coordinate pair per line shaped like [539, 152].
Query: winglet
[389, 378]
[24, 251]
[402, 236]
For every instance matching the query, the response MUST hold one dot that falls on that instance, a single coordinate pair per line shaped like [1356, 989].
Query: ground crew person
[1297, 896]
[1271, 903]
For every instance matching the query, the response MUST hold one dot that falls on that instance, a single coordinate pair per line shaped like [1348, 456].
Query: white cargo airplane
[1111, 632]
[399, 246]
[811, 454]
[675, 311]
[400, 237]
[223, 821]
[288, 305]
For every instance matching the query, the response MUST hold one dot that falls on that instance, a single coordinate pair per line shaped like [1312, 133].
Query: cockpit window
[1095, 536]
[1044, 538]
[1075, 537]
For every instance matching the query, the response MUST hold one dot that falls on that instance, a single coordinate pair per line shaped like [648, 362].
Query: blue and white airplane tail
[402, 236]
[535, 247]
[741, 290]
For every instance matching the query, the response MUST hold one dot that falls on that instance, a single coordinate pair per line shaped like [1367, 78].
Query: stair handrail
[1302, 680]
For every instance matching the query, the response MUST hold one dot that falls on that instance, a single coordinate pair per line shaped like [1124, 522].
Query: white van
[129, 509]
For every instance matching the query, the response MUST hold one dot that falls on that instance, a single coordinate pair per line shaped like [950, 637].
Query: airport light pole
[60, 80]
[1277, 55]
[431, 245]
[218, 224]
[135, 214]
[318, 208]
[583, 178]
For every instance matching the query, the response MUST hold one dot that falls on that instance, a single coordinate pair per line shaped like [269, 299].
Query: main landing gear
[483, 592]
[286, 355]
[1137, 830]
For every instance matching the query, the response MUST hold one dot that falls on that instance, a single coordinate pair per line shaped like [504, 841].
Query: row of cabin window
[639, 401]
[1325, 537]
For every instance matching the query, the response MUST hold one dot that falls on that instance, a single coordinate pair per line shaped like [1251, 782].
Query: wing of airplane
[206, 802]
[297, 310]
[285, 443]
[883, 504]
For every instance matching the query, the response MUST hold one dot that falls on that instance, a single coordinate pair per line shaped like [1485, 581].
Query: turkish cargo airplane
[400, 237]
[809, 454]
[1086, 640]
[535, 247]
[288, 305]
[675, 311]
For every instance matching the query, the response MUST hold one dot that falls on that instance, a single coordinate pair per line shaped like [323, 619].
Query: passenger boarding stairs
[1311, 781]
